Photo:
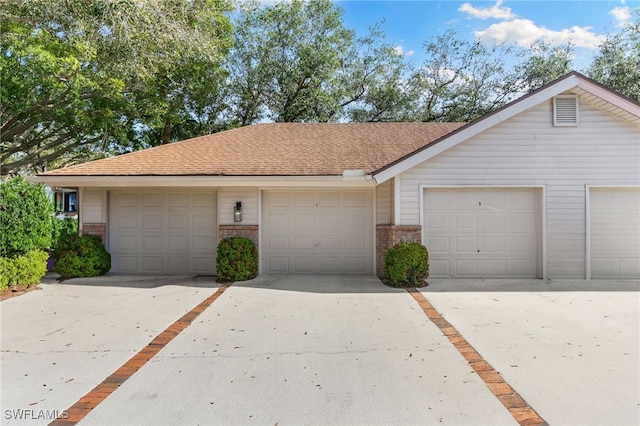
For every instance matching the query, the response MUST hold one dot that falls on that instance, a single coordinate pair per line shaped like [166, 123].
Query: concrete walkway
[322, 350]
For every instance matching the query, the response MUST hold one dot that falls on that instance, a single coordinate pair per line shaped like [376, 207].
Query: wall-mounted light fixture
[237, 212]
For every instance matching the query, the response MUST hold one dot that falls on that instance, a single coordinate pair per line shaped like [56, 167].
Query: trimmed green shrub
[237, 259]
[81, 256]
[25, 215]
[24, 270]
[63, 230]
[406, 265]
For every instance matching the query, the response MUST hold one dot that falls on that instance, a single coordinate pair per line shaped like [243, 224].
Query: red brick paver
[512, 401]
[84, 405]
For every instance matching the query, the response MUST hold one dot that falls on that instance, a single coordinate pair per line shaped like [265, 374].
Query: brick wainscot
[389, 235]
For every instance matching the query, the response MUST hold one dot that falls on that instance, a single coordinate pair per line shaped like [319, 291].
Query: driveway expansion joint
[84, 405]
[510, 399]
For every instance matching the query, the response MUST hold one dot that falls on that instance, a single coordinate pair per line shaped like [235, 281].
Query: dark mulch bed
[17, 291]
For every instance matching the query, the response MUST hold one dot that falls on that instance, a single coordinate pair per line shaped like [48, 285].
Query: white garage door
[317, 232]
[163, 232]
[615, 233]
[483, 232]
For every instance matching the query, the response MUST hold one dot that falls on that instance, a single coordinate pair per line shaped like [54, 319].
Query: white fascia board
[478, 127]
[203, 181]
[610, 97]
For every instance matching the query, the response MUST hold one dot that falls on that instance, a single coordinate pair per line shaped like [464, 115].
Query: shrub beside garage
[81, 256]
[26, 215]
[237, 259]
[406, 265]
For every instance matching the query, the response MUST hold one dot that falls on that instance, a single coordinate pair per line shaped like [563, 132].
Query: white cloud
[622, 15]
[493, 12]
[524, 32]
[400, 51]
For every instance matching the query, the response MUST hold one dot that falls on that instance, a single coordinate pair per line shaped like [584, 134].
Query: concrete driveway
[319, 350]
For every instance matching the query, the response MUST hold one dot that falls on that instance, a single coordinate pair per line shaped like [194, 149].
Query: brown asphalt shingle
[274, 149]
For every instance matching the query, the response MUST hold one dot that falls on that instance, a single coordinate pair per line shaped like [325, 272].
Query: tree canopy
[82, 80]
[77, 76]
[617, 63]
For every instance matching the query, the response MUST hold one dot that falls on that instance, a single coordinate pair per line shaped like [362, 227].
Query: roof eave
[202, 181]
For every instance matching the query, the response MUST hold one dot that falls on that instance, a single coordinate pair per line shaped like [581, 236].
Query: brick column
[99, 229]
[247, 231]
[389, 235]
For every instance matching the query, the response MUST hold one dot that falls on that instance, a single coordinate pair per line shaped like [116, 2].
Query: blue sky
[409, 23]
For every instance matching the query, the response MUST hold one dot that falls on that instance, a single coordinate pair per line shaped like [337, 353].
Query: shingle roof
[273, 149]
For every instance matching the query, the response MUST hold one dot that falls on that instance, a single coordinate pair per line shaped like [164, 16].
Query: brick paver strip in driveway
[80, 409]
[517, 406]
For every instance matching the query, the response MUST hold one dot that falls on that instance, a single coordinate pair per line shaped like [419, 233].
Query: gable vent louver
[565, 111]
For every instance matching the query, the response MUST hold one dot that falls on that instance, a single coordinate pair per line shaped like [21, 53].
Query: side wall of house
[528, 150]
[93, 212]
[384, 203]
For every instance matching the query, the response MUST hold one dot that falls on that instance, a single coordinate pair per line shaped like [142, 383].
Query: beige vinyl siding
[528, 150]
[384, 203]
[93, 205]
[249, 199]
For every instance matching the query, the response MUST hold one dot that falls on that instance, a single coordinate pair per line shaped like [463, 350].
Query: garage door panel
[156, 232]
[203, 243]
[201, 223]
[304, 242]
[304, 199]
[277, 199]
[127, 243]
[466, 244]
[329, 242]
[125, 200]
[499, 267]
[495, 222]
[303, 220]
[330, 199]
[438, 244]
[278, 222]
[615, 232]
[178, 200]
[324, 231]
[329, 264]
[481, 232]
[278, 265]
[277, 242]
[355, 265]
[178, 244]
[329, 221]
[356, 199]
[437, 222]
[127, 263]
[465, 222]
[151, 264]
[304, 264]
[355, 242]
[152, 221]
[202, 264]
[493, 200]
[178, 221]
[495, 245]
[466, 268]
[126, 221]
[619, 267]
[152, 200]
[356, 221]
[152, 243]
[630, 267]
